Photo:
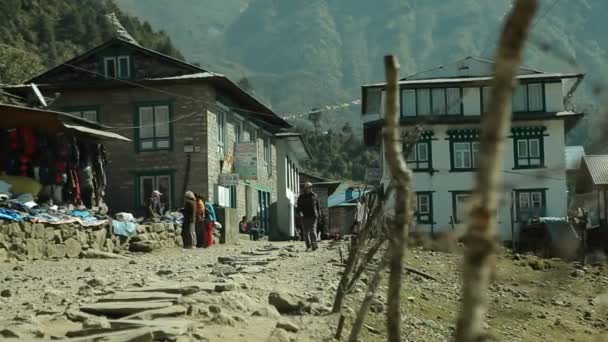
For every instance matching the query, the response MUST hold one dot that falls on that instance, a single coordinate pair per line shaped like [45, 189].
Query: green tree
[17, 65]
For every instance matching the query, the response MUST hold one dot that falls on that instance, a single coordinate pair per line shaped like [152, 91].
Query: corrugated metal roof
[574, 155]
[598, 168]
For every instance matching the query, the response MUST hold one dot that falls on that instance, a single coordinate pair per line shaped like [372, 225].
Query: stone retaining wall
[34, 241]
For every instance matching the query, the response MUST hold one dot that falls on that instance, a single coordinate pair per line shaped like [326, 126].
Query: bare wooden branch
[479, 257]
[401, 178]
[372, 286]
[371, 253]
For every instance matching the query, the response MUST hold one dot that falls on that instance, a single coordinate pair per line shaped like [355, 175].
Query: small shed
[551, 237]
[592, 193]
[342, 208]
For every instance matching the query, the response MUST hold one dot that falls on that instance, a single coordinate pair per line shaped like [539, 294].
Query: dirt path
[223, 294]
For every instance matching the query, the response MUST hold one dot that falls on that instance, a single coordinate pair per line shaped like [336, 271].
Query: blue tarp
[11, 215]
[124, 228]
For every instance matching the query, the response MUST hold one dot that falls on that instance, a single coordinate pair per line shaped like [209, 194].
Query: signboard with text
[246, 160]
[229, 179]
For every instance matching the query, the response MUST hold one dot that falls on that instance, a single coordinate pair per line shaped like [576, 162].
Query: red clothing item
[209, 239]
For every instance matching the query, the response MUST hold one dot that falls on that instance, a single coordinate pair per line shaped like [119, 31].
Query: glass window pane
[162, 143]
[162, 121]
[110, 67]
[462, 155]
[423, 204]
[461, 206]
[90, 115]
[520, 99]
[123, 67]
[524, 200]
[454, 100]
[424, 101]
[423, 153]
[536, 199]
[372, 101]
[534, 148]
[146, 120]
[522, 148]
[412, 155]
[147, 145]
[535, 97]
[486, 91]
[409, 102]
[475, 154]
[439, 101]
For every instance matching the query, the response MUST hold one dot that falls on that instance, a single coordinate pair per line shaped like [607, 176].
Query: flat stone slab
[119, 309]
[171, 311]
[134, 335]
[185, 288]
[95, 254]
[140, 297]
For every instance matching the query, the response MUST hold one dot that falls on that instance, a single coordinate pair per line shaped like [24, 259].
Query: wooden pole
[401, 179]
[479, 259]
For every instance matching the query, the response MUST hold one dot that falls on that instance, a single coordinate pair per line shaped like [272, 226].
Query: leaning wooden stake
[401, 179]
[367, 301]
[479, 257]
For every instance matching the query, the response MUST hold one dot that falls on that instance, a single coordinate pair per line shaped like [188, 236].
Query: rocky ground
[260, 291]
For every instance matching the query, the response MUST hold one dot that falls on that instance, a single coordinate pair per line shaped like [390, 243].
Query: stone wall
[35, 241]
[229, 219]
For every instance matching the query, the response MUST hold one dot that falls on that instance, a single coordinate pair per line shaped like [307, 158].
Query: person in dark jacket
[189, 222]
[309, 210]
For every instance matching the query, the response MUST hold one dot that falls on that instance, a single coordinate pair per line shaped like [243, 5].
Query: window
[423, 101]
[154, 132]
[161, 182]
[419, 158]
[460, 205]
[529, 152]
[485, 98]
[90, 114]
[373, 97]
[530, 203]
[117, 67]
[109, 67]
[124, 68]
[438, 103]
[454, 101]
[267, 156]
[528, 98]
[253, 135]
[409, 102]
[424, 207]
[233, 196]
[434, 101]
[465, 155]
[221, 136]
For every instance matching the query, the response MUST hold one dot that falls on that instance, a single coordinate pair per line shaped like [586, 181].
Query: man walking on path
[309, 211]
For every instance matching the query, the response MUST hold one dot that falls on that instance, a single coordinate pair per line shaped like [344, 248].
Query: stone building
[184, 122]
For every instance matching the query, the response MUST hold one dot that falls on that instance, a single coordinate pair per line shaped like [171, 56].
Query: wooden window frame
[530, 192]
[430, 90]
[527, 100]
[455, 195]
[80, 110]
[138, 139]
[415, 163]
[140, 198]
[472, 153]
[424, 218]
[516, 153]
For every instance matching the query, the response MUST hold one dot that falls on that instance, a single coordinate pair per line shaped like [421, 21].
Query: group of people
[253, 228]
[199, 219]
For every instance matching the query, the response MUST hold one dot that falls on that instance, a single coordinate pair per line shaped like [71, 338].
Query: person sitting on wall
[243, 227]
[154, 206]
[254, 229]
